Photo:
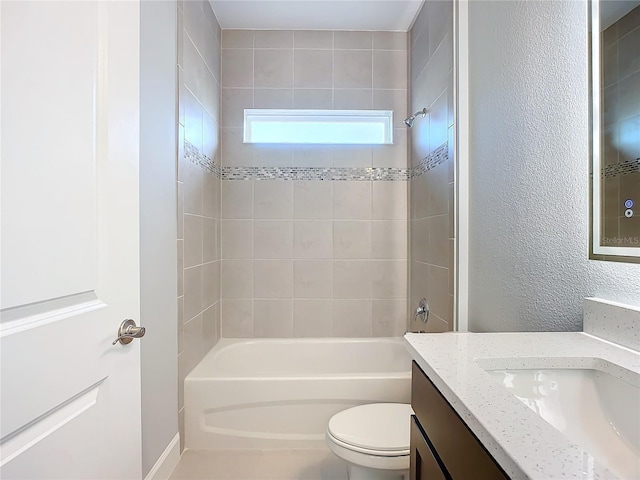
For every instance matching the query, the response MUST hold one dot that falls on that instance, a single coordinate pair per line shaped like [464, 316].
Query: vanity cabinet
[442, 446]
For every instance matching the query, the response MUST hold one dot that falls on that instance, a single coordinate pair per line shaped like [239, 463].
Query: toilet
[373, 439]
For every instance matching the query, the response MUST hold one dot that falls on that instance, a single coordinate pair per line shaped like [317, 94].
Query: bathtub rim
[229, 342]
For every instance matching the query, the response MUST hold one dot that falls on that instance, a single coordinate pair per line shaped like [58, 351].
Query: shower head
[409, 121]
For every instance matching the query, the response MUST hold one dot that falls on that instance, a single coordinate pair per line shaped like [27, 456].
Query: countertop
[522, 443]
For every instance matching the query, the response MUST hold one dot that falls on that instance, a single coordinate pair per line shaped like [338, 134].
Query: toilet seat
[368, 451]
[380, 429]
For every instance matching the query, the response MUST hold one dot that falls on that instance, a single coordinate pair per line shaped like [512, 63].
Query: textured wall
[529, 168]
[313, 257]
[431, 207]
[198, 187]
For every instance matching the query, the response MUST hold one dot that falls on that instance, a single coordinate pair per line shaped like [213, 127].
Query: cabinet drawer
[463, 456]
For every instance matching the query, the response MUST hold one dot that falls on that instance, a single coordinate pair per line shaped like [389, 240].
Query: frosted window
[342, 127]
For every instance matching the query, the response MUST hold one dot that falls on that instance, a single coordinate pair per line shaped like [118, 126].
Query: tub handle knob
[422, 311]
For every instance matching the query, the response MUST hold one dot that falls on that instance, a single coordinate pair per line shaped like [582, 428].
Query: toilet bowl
[373, 439]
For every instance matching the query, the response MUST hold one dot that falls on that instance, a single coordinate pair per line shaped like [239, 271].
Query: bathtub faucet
[422, 311]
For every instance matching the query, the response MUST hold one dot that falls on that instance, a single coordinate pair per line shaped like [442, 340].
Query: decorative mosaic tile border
[315, 173]
[431, 161]
[623, 168]
[191, 154]
[387, 174]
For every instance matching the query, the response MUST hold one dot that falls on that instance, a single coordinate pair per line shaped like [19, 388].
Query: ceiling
[389, 15]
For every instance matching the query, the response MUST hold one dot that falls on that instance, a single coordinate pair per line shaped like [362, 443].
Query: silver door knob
[128, 331]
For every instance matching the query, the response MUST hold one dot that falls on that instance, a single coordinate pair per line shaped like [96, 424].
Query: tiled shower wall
[432, 192]
[304, 255]
[621, 84]
[198, 187]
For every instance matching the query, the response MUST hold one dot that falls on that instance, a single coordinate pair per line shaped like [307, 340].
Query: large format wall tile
[198, 188]
[301, 256]
[431, 204]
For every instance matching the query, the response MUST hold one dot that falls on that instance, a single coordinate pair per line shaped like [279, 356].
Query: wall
[158, 279]
[529, 171]
[432, 211]
[621, 114]
[198, 187]
[305, 255]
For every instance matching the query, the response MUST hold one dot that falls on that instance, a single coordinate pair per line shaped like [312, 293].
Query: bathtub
[281, 393]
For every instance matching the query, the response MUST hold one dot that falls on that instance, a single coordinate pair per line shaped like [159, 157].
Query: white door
[70, 400]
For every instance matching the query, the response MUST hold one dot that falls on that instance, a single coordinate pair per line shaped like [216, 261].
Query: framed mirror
[615, 132]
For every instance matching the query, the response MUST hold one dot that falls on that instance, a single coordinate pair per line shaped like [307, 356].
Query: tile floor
[320, 464]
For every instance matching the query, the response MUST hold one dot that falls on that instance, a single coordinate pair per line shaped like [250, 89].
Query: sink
[591, 407]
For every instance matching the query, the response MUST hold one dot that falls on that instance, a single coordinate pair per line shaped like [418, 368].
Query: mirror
[615, 106]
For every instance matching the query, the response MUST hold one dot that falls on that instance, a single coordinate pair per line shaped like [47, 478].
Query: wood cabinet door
[457, 448]
[424, 465]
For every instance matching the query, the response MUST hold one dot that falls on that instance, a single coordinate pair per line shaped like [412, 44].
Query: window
[341, 127]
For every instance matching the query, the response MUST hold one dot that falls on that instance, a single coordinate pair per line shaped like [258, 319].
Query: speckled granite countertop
[521, 442]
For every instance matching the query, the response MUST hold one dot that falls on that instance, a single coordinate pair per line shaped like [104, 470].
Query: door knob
[128, 331]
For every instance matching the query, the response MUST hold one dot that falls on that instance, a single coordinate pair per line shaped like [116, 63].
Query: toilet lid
[378, 426]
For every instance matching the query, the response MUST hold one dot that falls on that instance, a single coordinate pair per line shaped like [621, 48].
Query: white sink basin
[592, 408]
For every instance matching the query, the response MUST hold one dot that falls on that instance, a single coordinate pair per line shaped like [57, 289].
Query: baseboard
[167, 462]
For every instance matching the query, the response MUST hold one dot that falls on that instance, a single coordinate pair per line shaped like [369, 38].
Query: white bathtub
[281, 393]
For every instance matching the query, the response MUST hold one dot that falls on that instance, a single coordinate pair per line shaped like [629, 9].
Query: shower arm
[409, 121]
